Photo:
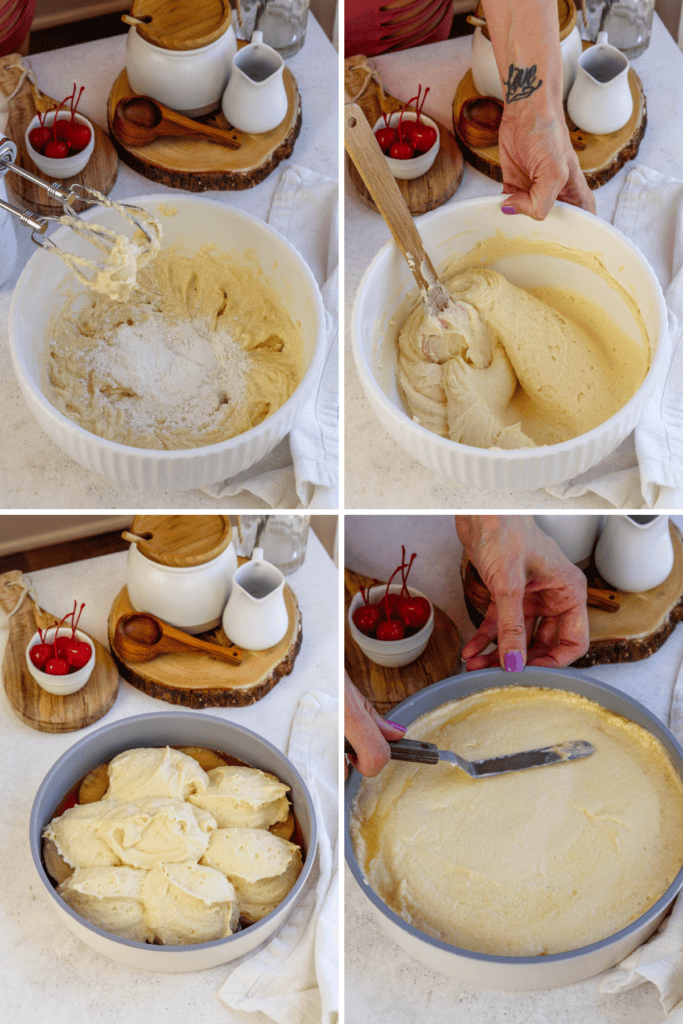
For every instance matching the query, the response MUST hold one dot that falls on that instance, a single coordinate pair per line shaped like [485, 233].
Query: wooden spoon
[141, 637]
[139, 120]
[364, 150]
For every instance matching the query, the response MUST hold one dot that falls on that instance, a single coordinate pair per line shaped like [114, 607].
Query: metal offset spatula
[428, 753]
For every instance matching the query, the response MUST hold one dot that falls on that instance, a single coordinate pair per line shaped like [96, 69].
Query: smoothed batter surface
[529, 863]
[514, 367]
[201, 351]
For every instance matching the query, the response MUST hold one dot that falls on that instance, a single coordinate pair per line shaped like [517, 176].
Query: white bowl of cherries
[409, 140]
[61, 663]
[392, 622]
[61, 142]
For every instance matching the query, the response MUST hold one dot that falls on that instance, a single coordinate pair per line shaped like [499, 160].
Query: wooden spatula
[364, 150]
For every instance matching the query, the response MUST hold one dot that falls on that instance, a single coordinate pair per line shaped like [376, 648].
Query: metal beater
[100, 236]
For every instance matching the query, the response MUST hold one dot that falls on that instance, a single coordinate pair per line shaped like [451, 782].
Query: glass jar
[628, 23]
[8, 239]
[283, 23]
[282, 538]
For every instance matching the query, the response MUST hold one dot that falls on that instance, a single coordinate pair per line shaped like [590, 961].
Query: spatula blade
[570, 751]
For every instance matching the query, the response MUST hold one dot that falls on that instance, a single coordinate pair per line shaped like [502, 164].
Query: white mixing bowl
[197, 222]
[380, 307]
[181, 728]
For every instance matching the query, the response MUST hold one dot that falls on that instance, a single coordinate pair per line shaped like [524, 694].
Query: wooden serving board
[99, 173]
[34, 706]
[197, 164]
[196, 680]
[639, 628]
[603, 156]
[421, 194]
[387, 687]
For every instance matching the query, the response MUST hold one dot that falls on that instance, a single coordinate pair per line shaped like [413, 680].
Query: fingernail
[514, 662]
[509, 209]
[395, 725]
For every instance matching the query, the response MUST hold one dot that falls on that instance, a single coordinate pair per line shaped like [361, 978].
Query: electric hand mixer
[102, 237]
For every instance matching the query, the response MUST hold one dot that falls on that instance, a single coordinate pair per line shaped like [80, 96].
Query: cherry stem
[386, 594]
[74, 107]
[400, 116]
[54, 134]
[64, 620]
[74, 625]
[419, 113]
[410, 565]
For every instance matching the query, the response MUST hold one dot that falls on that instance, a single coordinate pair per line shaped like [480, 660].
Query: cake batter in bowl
[570, 250]
[190, 225]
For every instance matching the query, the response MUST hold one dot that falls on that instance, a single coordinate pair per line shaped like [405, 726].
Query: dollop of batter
[200, 351]
[510, 367]
[532, 862]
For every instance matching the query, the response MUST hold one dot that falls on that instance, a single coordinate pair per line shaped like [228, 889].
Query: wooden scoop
[139, 120]
[141, 637]
[364, 150]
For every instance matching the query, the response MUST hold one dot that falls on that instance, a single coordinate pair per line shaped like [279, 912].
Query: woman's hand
[367, 732]
[538, 161]
[528, 578]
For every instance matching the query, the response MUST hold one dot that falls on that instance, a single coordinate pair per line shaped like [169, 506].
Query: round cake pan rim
[528, 677]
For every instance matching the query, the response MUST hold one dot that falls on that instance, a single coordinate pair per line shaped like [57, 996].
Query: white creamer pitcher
[600, 100]
[255, 100]
[635, 553]
[256, 617]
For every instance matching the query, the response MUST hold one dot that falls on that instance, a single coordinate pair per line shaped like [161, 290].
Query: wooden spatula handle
[364, 150]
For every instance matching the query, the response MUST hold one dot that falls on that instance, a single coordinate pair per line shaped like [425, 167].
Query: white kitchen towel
[660, 960]
[294, 979]
[303, 470]
[646, 471]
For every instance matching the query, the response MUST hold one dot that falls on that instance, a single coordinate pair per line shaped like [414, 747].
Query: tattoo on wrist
[521, 82]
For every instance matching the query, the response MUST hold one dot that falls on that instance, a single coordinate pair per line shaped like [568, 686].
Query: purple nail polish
[395, 725]
[509, 209]
[514, 662]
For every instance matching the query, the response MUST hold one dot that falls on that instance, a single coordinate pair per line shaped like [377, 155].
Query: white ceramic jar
[189, 596]
[189, 81]
[575, 535]
[485, 70]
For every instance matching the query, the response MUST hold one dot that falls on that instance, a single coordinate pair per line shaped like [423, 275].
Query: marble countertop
[381, 980]
[48, 974]
[379, 474]
[35, 473]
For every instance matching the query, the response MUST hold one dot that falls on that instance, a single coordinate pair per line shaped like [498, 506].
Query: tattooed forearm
[521, 82]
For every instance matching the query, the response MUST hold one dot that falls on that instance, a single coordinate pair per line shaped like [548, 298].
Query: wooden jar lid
[182, 541]
[565, 10]
[180, 24]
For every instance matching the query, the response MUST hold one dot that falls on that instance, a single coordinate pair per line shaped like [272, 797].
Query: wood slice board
[99, 173]
[387, 687]
[34, 706]
[642, 624]
[421, 194]
[196, 164]
[603, 156]
[196, 680]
